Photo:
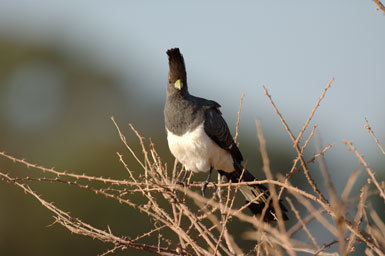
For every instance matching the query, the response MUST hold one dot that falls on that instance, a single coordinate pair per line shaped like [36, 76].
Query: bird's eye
[178, 84]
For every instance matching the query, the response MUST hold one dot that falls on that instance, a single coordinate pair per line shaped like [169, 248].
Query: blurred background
[66, 67]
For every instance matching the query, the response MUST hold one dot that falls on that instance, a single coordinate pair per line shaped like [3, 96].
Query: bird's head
[177, 78]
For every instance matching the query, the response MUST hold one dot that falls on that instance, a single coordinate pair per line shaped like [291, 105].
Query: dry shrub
[199, 225]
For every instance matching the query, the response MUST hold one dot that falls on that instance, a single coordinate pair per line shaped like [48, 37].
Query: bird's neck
[180, 113]
[172, 93]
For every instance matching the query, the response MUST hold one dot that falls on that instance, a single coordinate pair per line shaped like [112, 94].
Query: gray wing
[216, 128]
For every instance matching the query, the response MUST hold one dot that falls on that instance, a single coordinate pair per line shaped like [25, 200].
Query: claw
[206, 182]
[184, 181]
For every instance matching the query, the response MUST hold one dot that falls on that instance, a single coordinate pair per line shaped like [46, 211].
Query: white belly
[198, 152]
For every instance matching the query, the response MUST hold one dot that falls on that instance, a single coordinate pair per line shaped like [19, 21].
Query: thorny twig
[202, 225]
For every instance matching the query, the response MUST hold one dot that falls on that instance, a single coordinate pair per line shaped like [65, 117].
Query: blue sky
[291, 47]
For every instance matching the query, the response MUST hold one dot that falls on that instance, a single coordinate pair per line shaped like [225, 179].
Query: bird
[199, 138]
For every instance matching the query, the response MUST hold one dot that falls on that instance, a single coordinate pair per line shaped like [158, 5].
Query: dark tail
[177, 66]
[250, 192]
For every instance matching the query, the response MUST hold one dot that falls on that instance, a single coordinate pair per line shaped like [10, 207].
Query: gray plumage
[184, 112]
[200, 139]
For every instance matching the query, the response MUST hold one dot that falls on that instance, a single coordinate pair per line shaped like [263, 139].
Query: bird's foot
[207, 181]
[185, 181]
[182, 183]
[205, 184]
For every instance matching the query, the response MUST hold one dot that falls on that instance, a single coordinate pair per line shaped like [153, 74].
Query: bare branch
[380, 6]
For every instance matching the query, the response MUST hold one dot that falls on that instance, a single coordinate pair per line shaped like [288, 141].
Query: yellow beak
[178, 84]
